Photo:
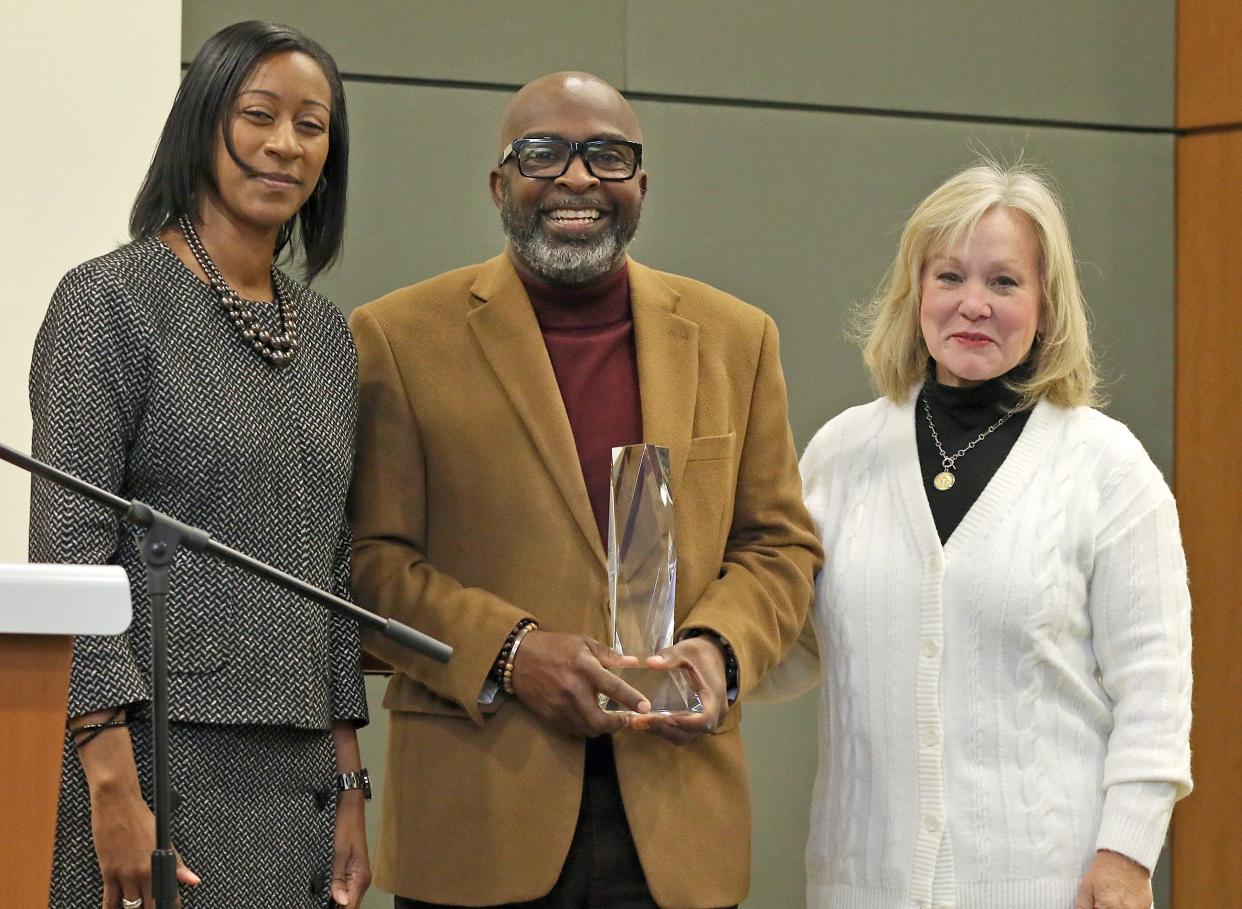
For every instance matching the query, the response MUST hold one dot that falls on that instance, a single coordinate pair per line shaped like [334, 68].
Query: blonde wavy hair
[1063, 366]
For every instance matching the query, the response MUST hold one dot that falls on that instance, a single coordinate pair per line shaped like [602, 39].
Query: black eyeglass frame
[575, 148]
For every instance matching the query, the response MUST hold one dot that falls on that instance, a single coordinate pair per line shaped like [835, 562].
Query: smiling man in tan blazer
[491, 398]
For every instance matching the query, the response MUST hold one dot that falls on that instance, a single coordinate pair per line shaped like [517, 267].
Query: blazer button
[318, 881]
[323, 798]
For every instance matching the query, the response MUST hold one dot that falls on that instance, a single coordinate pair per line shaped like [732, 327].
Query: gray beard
[568, 262]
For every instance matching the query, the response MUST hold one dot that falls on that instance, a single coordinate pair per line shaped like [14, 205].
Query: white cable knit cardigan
[996, 709]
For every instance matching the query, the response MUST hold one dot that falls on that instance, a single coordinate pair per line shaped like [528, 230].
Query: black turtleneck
[960, 415]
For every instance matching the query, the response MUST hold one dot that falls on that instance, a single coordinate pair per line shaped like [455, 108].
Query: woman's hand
[124, 831]
[351, 869]
[122, 825]
[1114, 881]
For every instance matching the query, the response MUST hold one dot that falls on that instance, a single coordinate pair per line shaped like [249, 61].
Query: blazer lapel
[668, 367]
[509, 335]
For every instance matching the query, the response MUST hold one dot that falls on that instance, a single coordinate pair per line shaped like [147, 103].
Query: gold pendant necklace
[944, 480]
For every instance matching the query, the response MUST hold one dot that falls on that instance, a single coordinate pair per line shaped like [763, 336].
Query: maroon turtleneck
[589, 333]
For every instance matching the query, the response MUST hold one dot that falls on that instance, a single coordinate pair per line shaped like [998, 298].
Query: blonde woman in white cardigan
[1003, 614]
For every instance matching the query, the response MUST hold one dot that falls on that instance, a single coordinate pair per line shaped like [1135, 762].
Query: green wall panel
[796, 211]
[800, 216]
[488, 41]
[1105, 61]
[418, 196]
[800, 212]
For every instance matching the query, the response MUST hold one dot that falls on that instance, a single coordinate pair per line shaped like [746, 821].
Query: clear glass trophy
[642, 577]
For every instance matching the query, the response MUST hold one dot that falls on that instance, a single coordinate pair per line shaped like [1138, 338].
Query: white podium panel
[64, 599]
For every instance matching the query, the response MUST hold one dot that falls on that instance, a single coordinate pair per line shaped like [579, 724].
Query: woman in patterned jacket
[1003, 613]
[184, 369]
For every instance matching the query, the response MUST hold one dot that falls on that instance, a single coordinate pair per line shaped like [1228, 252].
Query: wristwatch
[357, 779]
[730, 658]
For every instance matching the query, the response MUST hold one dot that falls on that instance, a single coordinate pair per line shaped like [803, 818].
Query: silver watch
[357, 779]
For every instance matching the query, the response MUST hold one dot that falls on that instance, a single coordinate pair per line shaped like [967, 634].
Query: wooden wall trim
[1207, 858]
[1209, 63]
[1207, 439]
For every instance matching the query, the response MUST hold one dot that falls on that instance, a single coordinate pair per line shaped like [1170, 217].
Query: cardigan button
[930, 648]
[931, 823]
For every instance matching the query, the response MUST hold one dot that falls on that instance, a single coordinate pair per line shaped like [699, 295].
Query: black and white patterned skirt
[254, 817]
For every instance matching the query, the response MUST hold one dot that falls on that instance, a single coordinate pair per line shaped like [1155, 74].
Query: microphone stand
[163, 537]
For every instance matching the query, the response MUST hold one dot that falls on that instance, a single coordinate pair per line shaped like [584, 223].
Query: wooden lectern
[41, 608]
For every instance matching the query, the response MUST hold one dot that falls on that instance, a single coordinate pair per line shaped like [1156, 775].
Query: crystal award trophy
[642, 577]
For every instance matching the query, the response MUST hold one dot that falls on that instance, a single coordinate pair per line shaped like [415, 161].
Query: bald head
[571, 227]
[559, 104]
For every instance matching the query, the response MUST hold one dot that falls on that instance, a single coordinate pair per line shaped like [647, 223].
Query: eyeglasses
[547, 159]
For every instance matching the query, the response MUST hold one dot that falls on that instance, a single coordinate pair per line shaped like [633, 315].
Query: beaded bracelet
[94, 729]
[507, 680]
[504, 660]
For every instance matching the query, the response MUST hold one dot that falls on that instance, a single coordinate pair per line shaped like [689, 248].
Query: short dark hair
[183, 160]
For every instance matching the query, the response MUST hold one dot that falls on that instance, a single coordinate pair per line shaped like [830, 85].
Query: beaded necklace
[278, 349]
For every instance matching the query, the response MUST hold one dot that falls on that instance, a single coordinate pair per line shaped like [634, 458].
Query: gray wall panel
[488, 41]
[1107, 61]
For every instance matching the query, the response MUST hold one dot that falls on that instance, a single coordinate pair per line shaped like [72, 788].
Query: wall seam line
[801, 106]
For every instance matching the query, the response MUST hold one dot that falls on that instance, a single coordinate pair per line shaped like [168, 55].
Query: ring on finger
[131, 904]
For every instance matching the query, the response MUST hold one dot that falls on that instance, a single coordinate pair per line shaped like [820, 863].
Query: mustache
[571, 201]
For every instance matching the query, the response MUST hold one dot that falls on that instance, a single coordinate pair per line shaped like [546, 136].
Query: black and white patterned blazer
[141, 386]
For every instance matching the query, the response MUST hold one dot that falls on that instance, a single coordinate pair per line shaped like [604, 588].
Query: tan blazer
[470, 513]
